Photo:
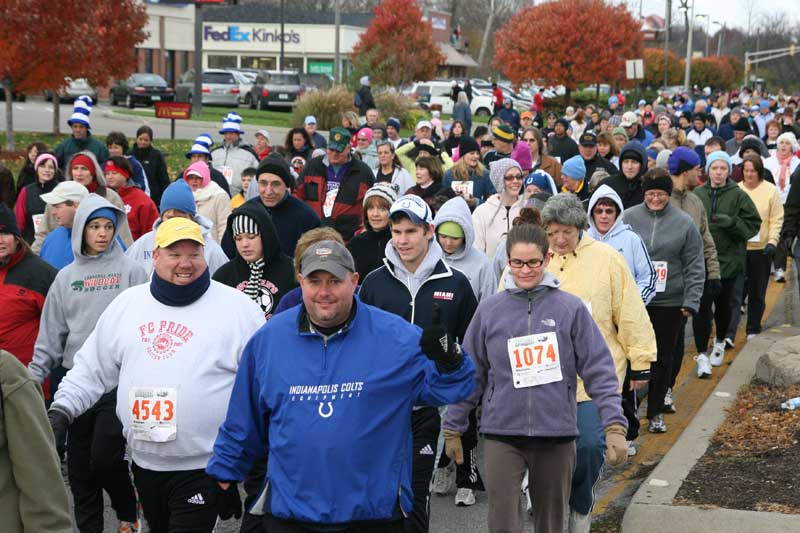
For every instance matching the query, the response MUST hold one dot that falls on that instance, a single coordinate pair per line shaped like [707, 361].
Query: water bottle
[792, 404]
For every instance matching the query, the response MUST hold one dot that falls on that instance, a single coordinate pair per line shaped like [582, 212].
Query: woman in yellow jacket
[599, 275]
[761, 247]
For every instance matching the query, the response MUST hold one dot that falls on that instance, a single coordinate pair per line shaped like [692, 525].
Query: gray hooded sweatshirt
[142, 250]
[469, 260]
[80, 293]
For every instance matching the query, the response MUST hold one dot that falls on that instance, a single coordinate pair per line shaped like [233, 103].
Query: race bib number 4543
[153, 413]
[534, 359]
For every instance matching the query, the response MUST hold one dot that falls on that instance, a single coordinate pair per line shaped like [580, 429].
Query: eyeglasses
[513, 177]
[519, 263]
[606, 211]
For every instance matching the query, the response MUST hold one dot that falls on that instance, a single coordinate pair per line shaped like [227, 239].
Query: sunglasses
[362, 139]
[513, 177]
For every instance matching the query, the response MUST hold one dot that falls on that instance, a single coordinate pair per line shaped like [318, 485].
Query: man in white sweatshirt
[172, 349]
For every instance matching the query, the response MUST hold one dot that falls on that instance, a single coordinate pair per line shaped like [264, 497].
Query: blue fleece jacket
[333, 414]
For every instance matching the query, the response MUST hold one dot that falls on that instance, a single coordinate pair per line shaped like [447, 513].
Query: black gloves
[229, 503]
[439, 345]
[786, 244]
[769, 250]
[714, 287]
[59, 422]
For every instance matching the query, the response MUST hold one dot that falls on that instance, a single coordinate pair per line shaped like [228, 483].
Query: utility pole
[667, 22]
[719, 39]
[337, 61]
[687, 76]
[197, 91]
[283, 63]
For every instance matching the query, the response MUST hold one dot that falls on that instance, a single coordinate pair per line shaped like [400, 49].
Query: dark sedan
[144, 89]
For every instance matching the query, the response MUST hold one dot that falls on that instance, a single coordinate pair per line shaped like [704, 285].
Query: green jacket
[71, 146]
[32, 493]
[732, 219]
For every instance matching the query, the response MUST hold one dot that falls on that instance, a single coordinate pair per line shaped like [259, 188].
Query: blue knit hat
[717, 156]
[201, 145]
[232, 122]
[394, 123]
[178, 196]
[574, 168]
[81, 110]
[103, 212]
[541, 179]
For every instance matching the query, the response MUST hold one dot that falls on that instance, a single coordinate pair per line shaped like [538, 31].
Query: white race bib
[154, 413]
[37, 222]
[228, 173]
[661, 275]
[755, 238]
[330, 199]
[534, 359]
[463, 188]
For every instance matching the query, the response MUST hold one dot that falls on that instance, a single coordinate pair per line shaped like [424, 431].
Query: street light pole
[197, 96]
[337, 61]
[283, 64]
[708, 18]
[689, 27]
[720, 36]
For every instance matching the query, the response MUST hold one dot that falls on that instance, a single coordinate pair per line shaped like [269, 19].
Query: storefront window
[222, 61]
[260, 63]
[293, 63]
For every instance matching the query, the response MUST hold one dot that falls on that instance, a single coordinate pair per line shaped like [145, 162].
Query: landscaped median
[734, 469]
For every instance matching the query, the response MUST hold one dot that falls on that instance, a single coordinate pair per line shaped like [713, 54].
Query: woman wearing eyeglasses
[676, 249]
[526, 371]
[492, 219]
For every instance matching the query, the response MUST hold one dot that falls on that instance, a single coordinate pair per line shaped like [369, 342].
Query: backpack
[358, 100]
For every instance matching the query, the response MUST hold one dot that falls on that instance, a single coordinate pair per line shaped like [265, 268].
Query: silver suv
[220, 87]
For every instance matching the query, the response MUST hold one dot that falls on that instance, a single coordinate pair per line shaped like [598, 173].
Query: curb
[651, 508]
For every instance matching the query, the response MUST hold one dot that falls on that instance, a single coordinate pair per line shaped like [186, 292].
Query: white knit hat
[232, 122]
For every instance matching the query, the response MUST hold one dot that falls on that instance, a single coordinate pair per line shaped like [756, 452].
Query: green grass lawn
[278, 119]
[173, 150]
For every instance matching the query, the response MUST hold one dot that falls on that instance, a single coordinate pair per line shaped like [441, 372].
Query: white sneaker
[443, 481]
[751, 336]
[780, 275]
[669, 404]
[657, 424]
[728, 343]
[465, 497]
[703, 366]
[631, 449]
[579, 523]
[717, 353]
[528, 504]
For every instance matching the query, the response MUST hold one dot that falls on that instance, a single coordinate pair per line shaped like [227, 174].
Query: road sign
[634, 69]
[173, 111]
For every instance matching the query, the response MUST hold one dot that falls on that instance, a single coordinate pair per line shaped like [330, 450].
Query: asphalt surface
[37, 115]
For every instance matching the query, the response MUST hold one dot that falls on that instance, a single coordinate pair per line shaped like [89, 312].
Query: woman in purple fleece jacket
[526, 373]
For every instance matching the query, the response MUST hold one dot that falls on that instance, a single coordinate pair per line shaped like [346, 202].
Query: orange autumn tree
[569, 42]
[398, 47]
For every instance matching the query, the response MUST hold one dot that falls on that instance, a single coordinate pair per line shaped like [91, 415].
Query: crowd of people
[335, 322]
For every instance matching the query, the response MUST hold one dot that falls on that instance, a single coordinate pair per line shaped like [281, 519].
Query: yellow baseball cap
[178, 229]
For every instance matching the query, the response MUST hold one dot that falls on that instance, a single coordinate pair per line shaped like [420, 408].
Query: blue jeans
[591, 448]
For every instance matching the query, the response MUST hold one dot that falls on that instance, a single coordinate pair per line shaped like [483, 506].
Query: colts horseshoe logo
[323, 414]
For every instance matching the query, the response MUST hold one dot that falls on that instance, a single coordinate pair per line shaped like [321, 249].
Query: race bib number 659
[153, 413]
[534, 359]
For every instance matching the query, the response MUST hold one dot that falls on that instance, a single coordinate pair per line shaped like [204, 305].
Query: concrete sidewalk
[651, 508]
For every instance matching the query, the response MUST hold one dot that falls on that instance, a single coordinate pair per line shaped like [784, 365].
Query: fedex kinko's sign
[249, 35]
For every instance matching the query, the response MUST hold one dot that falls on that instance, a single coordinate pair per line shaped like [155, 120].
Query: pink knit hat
[198, 168]
[522, 155]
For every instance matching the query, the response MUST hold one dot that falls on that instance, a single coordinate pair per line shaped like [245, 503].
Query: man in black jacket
[588, 150]
[413, 279]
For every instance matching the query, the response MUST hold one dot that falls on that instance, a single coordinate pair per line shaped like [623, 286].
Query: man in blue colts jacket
[330, 410]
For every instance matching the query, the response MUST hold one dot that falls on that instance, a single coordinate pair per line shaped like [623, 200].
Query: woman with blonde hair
[351, 122]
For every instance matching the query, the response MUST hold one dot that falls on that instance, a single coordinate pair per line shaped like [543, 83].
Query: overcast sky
[733, 13]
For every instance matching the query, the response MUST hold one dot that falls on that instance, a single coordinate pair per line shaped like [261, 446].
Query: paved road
[37, 115]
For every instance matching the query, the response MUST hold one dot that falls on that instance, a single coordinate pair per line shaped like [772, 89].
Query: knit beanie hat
[381, 190]
[719, 155]
[750, 143]
[662, 161]
[522, 155]
[661, 183]
[742, 125]
[81, 110]
[103, 212]
[8, 222]
[620, 131]
[574, 168]
[275, 164]
[541, 179]
[244, 224]
[46, 156]
[503, 132]
[466, 145]
[393, 122]
[498, 169]
[681, 160]
[178, 196]
[366, 132]
[450, 229]
[200, 169]
[232, 123]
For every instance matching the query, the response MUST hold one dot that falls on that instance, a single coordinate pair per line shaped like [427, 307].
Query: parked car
[17, 96]
[219, 87]
[141, 88]
[316, 82]
[276, 89]
[245, 79]
[431, 93]
[72, 89]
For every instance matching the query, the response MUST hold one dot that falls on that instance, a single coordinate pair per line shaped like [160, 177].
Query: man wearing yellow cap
[171, 350]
